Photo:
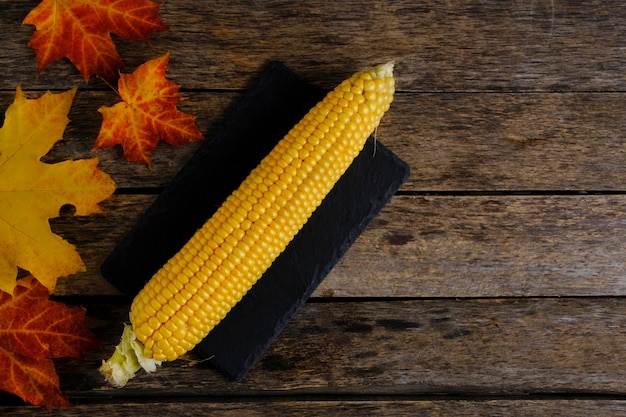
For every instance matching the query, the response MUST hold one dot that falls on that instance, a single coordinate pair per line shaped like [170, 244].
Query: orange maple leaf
[147, 114]
[31, 192]
[80, 30]
[33, 330]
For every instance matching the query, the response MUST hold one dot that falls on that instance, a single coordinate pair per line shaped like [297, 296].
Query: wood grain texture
[504, 142]
[323, 407]
[488, 246]
[438, 46]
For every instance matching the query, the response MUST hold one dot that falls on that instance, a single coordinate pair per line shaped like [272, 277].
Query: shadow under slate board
[275, 102]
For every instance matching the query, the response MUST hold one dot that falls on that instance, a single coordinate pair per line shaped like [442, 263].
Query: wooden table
[492, 284]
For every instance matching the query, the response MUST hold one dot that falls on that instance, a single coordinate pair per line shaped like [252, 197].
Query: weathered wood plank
[375, 407]
[509, 141]
[443, 347]
[446, 246]
[438, 46]
[452, 142]
[488, 247]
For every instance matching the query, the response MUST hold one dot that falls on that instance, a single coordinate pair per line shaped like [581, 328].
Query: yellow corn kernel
[254, 225]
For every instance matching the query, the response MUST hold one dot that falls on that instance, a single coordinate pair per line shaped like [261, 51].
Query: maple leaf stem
[111, 86]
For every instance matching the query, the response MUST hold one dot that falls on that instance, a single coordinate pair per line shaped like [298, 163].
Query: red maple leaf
[147, 114]
[33, 330]
[80, 30]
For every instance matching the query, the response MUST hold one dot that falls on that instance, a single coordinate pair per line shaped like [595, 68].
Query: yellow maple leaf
[31, 191]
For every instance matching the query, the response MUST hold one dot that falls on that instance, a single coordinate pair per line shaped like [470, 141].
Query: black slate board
[268, 109]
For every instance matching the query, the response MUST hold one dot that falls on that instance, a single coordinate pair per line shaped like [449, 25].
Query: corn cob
[198, 286]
